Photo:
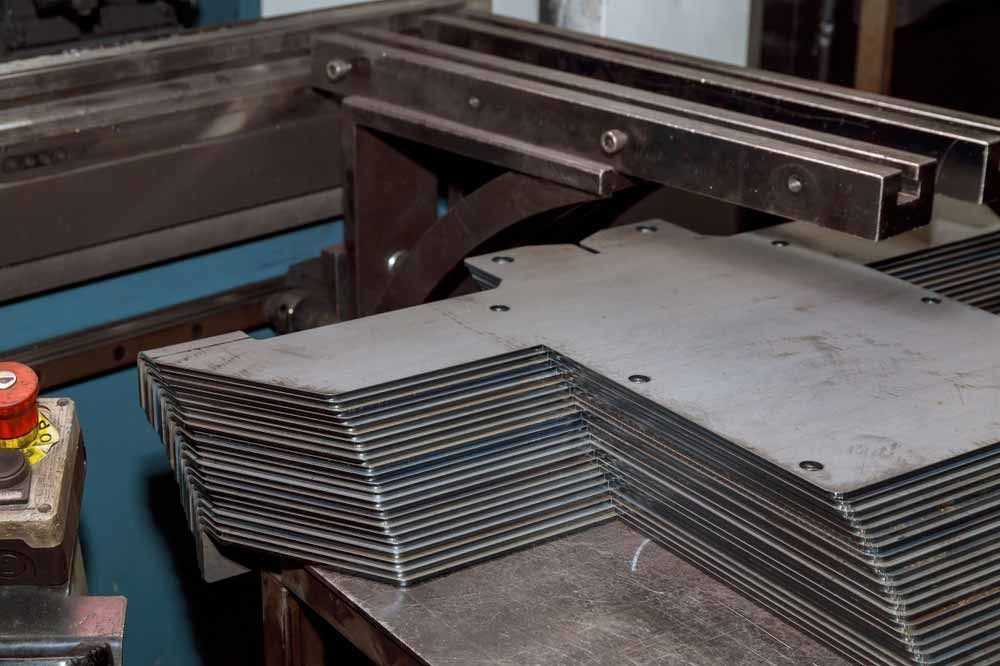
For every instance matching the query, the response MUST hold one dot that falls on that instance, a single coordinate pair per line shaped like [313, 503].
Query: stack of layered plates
[400, 482]
[817, 434]
[966, 270]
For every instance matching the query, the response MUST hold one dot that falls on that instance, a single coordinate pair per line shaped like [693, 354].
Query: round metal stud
[794, 184]
[395, 259]
[930, 300]
[613, 141]
[779, 243]
[337, 69]
[647, 228]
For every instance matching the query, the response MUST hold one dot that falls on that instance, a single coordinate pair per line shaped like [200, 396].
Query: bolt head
[395, 259]
[475, 103]
[337, 69]
[794, 184]
[613, 141]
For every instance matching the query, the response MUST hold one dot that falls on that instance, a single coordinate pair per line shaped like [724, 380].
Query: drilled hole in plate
[503, 259]
[499, 308]
[118, 353]
[811, 465]
[639, 379]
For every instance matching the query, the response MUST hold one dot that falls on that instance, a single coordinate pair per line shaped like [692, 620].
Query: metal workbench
[603, 596]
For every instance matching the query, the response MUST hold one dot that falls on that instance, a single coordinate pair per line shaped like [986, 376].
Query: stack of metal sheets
[967, 270]
[399, 482]
[818, 434]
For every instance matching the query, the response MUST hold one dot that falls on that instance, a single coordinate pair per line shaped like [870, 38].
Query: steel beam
[918, 170]
[969, 157]
[736, 166]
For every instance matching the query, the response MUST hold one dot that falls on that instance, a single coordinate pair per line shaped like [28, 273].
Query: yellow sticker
[47, 437]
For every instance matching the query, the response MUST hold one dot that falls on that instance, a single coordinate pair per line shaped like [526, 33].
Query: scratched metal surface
[773, 348]
[604, 596]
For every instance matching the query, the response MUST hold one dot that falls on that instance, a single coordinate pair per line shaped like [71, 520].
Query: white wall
[278, 7]
[719, 29]
[522, 9]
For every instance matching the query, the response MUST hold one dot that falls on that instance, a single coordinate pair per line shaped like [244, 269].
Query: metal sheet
[727, 389]
[750, 338]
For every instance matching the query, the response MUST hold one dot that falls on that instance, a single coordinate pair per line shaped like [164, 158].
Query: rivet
[502, 259]
[794, 184]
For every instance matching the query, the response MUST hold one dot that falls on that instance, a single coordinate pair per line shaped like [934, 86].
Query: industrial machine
[34, 27]
[815, 432]
[47, 617]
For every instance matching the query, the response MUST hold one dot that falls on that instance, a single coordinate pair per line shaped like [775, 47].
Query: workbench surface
[603, 596]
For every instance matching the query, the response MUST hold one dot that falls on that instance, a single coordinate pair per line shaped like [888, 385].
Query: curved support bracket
[496, 206]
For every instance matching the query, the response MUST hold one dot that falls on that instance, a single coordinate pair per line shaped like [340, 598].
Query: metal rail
[84, 353]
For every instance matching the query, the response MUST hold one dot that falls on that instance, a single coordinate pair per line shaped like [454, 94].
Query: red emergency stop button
[18, 400]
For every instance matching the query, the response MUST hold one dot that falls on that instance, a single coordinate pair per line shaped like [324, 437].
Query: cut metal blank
[806, 429]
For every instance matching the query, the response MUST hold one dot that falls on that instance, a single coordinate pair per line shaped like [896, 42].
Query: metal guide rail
[94, 131]
[784, 420]
[547, 101]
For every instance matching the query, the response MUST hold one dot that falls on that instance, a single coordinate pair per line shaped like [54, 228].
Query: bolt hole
[44, 508]
[499, 308]
[62, 402]
[779, 243]
[197, 330]
[647, 228]
[503, 259]
[930, 300]
[811, 465]
[640, 379]
[118, 353]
